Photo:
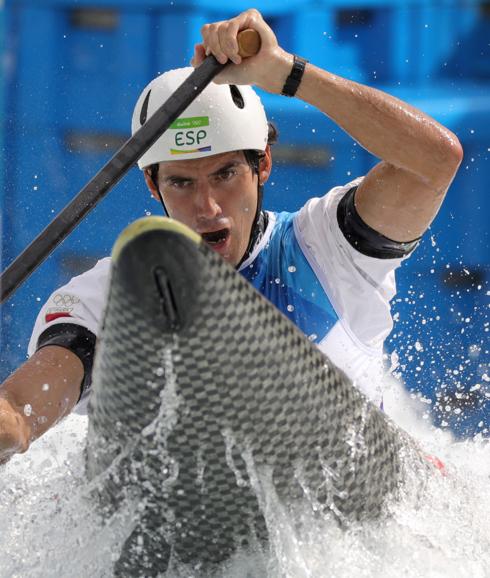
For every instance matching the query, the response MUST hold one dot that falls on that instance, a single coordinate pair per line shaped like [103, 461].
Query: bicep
[396, 203]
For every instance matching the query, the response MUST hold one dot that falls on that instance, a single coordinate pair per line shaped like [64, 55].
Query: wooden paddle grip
[248, 42]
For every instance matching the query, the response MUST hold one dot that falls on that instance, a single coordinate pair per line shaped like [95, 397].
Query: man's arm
[401, 195]
[37, 396]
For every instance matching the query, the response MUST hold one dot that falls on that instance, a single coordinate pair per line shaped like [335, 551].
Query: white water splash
[49, 529]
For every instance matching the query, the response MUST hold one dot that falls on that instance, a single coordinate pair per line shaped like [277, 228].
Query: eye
[226, 174]
[178, 183]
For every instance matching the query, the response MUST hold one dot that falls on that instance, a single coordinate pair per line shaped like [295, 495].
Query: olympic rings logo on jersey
[65, 300]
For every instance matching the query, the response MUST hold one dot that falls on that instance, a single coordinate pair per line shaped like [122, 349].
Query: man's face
[215, 196]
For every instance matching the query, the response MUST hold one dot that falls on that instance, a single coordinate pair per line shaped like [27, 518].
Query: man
[329, 267]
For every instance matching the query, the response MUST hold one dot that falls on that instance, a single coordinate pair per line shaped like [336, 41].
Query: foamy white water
[48, 527]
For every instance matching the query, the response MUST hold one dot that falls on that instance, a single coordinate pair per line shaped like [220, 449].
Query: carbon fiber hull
[199, 383]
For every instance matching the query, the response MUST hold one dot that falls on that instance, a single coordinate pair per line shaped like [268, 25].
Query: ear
[151, 185]
[265, 166]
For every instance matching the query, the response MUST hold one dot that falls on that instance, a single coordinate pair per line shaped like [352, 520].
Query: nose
[207, 204]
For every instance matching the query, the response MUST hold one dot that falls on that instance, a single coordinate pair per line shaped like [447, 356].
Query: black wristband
[294, 79]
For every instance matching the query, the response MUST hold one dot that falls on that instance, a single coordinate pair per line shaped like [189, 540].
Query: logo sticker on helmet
[189, 132]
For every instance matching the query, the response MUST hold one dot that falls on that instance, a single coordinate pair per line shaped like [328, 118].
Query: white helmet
[222, 118]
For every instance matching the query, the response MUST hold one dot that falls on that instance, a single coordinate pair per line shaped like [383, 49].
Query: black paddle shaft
[108, 176]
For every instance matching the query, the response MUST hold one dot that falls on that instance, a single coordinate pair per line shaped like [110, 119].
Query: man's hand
[14, 432]
[268, 69]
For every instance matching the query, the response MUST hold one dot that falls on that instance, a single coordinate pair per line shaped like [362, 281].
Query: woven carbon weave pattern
[235, 376]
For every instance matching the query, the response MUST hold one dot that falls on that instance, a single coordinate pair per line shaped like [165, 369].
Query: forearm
[45, 388]
[390, 129]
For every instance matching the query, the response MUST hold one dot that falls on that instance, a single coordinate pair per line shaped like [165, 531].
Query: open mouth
[216, 238]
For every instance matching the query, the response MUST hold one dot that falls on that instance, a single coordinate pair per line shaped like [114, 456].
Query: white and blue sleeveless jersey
[281, 272]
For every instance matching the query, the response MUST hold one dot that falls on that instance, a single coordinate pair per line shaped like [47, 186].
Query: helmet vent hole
[237, 97]
[144, 109]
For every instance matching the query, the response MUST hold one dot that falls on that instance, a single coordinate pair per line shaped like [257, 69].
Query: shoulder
[99, 271]
[88, 284]
[319, 209]
[80, 302]
[330, 228]
[337, 211]
[91, 283]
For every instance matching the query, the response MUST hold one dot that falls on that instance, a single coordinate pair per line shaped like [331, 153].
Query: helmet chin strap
[161, 201]
[157, 188]
[258, 226]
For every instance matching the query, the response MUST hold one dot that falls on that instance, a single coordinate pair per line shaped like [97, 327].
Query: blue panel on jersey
[283, 275]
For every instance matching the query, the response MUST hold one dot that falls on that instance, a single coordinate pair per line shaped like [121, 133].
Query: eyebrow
[225, 167]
